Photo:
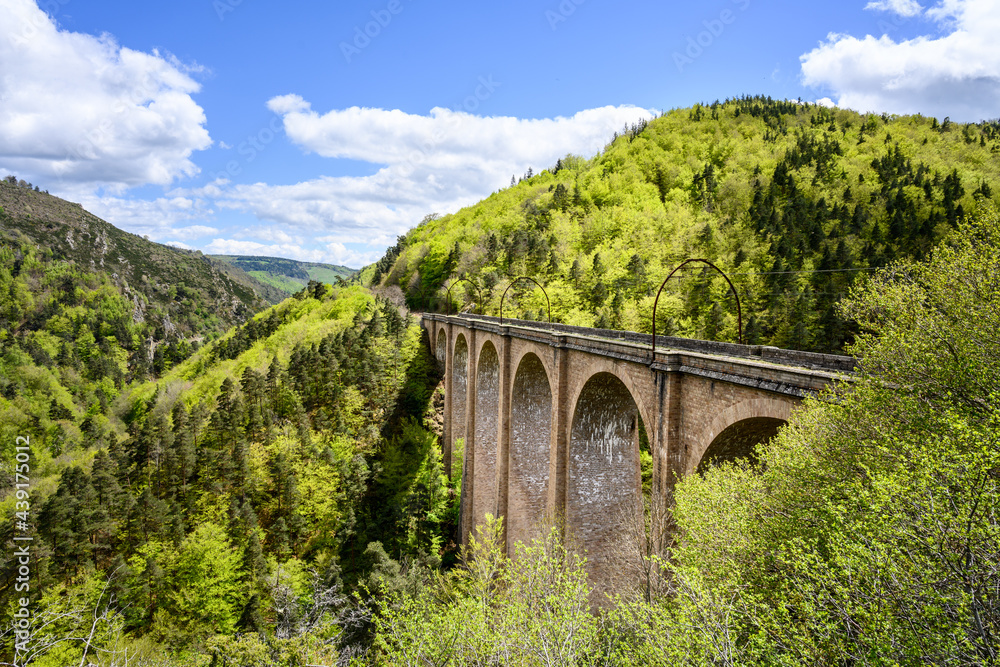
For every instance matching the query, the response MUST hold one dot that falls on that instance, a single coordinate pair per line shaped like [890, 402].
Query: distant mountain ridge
[196, 293]
[288, 275]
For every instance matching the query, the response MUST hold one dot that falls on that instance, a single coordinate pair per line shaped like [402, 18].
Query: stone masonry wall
[553, 414]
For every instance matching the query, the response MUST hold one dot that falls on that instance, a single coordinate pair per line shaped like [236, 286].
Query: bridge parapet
[790, 372]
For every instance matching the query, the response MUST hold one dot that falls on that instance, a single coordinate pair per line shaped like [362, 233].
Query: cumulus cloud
[956, 73]
[434, 163]
[330, 252]
[164, 219]
[446, 138]
[83, 110]
[342, 220]
[902, 7]
[91, 120]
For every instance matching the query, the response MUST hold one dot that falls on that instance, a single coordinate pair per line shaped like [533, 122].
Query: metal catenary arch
[548, 304]
[448, 295]
[739, 309]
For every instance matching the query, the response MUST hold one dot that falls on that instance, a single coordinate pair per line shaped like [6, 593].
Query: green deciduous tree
[205, 597]
[870, 532]
[532, 609]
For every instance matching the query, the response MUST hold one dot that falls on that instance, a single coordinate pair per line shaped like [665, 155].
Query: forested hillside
[183, 293]
[86, 310]
[71, 341]
[210, 486]
[244, 492]
[793, 201]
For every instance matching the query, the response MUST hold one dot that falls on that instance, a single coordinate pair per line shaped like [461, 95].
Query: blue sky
[321, 131]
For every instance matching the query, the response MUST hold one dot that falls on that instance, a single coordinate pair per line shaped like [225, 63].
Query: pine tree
[598, 266]
[108, 498]
[279, 538]
[637, 272]
[599, 295]
[69, 519]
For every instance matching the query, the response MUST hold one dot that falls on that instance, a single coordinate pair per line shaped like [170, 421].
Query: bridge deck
[789, 372]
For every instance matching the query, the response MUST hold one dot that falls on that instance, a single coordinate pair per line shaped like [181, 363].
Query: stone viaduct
[554, 418]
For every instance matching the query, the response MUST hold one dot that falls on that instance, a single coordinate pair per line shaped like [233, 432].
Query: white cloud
[162, 219]
[328, 253]
[89, 119]
[447, 138]
[193, 232]
[83, 110]
[435, 163]
[957, 74]
[906, 8]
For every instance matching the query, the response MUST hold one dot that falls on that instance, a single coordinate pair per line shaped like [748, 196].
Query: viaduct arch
[551, 415]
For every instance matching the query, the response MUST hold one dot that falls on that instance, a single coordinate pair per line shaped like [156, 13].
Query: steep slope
[239, 492]
[87, 309]
[287, 275]
[183, 292]
[793, 201]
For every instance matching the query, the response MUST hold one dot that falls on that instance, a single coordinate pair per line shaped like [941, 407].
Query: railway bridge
[553, 419]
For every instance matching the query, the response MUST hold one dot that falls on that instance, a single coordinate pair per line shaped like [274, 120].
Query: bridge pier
[558, 495]
[670, 455]
[503, 449]
[446, 359]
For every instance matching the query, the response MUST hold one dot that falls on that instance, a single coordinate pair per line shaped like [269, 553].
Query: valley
[249, 460]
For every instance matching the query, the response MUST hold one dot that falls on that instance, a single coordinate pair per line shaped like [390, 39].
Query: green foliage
[68, 345]
[73, 625]
[287, 275]
[205, 583]
[794, 201]
[532, 609]
[869, 533]
[232, 503]
[414, 484]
